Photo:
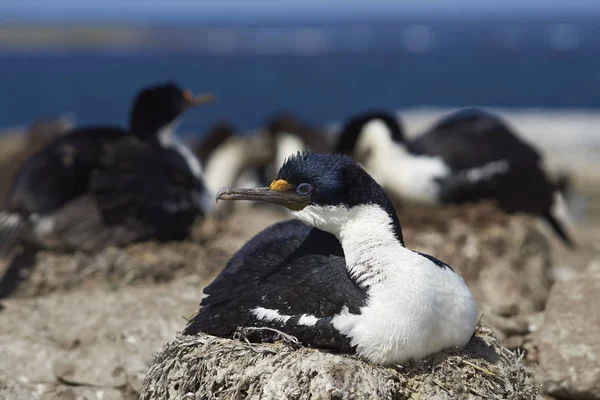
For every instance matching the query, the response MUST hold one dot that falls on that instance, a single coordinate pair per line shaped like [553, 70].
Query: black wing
[291, 268]
[473, 137]
[520, 188]
[147, 186]
[61, 171]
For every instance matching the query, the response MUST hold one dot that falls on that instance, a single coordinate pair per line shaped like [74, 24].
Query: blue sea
[98, 86]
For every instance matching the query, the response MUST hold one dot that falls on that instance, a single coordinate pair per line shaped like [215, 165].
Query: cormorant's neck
[374, 219]
[367, 233]
[371, 222]
[167, 139]
[370, 246]
[166, 134]
[376, 137]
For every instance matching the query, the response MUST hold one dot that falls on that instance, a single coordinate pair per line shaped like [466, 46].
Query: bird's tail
[12, 228]
[558, 218]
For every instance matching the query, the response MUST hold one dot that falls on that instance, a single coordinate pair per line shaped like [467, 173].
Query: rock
[23, 389]
[209, 367]
[594, 267]
[11, 388]
[53, 391]
[569, 340]
[91, 366]
[92, 343]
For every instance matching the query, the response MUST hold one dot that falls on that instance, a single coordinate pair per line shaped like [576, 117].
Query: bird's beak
[289, 199]
[199, 99]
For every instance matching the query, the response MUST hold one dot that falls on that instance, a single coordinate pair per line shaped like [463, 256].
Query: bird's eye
[304, 189]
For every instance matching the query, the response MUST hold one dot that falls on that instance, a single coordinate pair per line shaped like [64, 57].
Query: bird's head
[157, 107]
[322, 190]
[363, 134]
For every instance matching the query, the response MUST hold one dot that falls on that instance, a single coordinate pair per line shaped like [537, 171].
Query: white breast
[189, 156]
[412, 312]
[414, 307]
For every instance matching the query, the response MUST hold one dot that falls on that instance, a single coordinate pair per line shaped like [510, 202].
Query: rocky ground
[81, 326]
[87, 326]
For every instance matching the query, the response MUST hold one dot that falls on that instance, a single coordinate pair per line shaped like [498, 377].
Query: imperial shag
[232, 155]
[289, 135]
[217, 134]
[339, 277]
[467, 156]
[104, 185]
[249, 160]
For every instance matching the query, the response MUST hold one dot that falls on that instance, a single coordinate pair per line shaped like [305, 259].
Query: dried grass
[206, 367]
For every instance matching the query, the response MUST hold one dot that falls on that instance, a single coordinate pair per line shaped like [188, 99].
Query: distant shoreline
[363, 35]
[41, 36]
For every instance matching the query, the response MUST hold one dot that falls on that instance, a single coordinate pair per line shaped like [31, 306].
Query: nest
[36, 273]
[202, 367]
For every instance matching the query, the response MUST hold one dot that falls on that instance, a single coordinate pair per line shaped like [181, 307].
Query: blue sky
[249, 8]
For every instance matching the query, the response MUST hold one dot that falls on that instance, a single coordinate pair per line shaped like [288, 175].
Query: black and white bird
[232, 155]
[105, 185]
[469, 155]
[339, 277]
[249, 160]
[289, 135]
[216, 135]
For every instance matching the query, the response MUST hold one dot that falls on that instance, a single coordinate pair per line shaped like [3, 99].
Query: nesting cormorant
[217, 134]
[104, 185]
[225, 163]
[340, 278]
[289, 135]
[292, 135]
[467, 156]
[249, 160]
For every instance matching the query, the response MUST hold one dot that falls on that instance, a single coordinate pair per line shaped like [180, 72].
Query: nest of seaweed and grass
[209, 367]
